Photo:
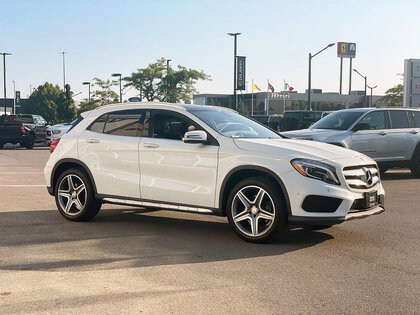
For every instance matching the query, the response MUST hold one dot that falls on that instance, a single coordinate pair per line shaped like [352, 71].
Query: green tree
[174, 86]
[87, 105]
[43, 101]
[66, 110]
[104, 95]
[393, 96]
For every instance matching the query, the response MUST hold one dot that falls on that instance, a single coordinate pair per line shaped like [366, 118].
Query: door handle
[92, 140]
[383, 133]
[150, 145]
[414, 132]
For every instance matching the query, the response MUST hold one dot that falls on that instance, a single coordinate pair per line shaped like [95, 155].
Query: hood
[295, 148]
[319, 134]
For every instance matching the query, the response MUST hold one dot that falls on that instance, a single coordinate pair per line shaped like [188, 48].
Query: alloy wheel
[253, 211]
[72, 194]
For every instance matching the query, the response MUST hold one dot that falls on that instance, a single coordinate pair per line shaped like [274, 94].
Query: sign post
[346, 50]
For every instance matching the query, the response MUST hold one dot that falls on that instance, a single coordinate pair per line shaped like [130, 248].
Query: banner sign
[240, 72]
[17, 97]
[346, 50]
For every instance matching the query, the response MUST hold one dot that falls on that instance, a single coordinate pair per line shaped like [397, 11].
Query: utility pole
[235, 35]
[64, 71]
[4, 77]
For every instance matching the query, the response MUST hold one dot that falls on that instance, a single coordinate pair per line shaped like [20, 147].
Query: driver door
[372, 141]
[173, 171]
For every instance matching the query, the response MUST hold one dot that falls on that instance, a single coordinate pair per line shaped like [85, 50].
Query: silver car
[391, 136]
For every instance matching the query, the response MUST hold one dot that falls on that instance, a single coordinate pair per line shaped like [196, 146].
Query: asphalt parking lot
[129, 260]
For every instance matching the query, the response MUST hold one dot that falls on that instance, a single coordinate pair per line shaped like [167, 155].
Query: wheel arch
[66, 164]
[415, 151]
[246, 171]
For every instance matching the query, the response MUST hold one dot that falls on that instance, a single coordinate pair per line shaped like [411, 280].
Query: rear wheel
[415, 164]
[256, 210]
[75, 197]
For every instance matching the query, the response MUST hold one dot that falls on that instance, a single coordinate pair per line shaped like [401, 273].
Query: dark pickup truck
[23, 129]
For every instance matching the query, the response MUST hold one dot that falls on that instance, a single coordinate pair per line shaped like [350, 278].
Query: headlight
[317, 170]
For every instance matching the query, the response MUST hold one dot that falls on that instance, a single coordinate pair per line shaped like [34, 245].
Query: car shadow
[121, 238]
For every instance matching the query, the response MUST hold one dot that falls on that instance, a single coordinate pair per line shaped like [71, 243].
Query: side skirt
[158, 205]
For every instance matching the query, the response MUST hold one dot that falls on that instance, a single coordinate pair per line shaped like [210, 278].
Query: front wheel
[75, 197]
[256, 210]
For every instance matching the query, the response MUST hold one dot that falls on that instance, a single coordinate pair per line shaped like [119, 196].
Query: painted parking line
[23, 185]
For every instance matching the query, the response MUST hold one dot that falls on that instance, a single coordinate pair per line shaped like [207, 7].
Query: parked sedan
[391, 136]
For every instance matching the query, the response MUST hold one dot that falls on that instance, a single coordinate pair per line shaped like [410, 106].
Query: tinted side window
[168, 126]
[416, 115]
[125, 123]
[398, 119]
[99, 124]
[375, 120]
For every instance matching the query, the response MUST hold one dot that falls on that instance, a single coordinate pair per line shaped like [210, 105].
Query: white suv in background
[209, 160]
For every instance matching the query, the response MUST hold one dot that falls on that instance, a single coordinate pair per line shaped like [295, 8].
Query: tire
[250, 221]
[415, 163]
[75, 196]
[29, 144]
[1, 145]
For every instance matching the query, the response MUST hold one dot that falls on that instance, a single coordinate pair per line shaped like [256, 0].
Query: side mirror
[195, 136]
[361, 126]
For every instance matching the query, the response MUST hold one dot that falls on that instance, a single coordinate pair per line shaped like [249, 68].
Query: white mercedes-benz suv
[208, 160]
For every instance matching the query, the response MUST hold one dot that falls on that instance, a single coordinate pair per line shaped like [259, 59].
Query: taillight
[22, 129]
[54, 144]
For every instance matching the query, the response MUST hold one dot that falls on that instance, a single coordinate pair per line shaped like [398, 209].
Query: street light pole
[310, 73]
[14, 97]
[64, 71]
[118, 75]
[4, 77]
[364, 77]
[235, 35]
[87, 83]
[371, 94]
[166, 79]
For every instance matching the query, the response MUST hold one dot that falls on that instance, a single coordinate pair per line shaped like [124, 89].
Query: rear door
[109, 147]
[173, 171]
[373, 141]
[402, 140]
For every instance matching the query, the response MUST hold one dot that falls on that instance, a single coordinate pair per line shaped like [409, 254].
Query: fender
[256, 168]
[74, 161]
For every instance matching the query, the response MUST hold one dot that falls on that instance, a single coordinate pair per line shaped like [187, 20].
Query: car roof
[187, 107]
[368, 109]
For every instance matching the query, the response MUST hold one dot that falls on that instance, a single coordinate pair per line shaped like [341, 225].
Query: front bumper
[300, 187]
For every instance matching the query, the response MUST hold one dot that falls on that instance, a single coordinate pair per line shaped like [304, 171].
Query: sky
[104, 37]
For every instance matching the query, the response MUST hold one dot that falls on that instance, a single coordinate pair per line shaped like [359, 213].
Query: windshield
[340, 120]
[233, 125]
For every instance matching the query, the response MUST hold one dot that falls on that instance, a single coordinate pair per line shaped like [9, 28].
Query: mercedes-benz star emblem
[367, 176]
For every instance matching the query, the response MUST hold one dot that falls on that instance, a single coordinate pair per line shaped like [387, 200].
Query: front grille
[361, 177]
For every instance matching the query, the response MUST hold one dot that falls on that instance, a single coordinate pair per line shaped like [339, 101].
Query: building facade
[271, 103]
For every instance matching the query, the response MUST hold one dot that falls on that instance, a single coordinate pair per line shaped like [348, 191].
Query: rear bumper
[298, 220]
